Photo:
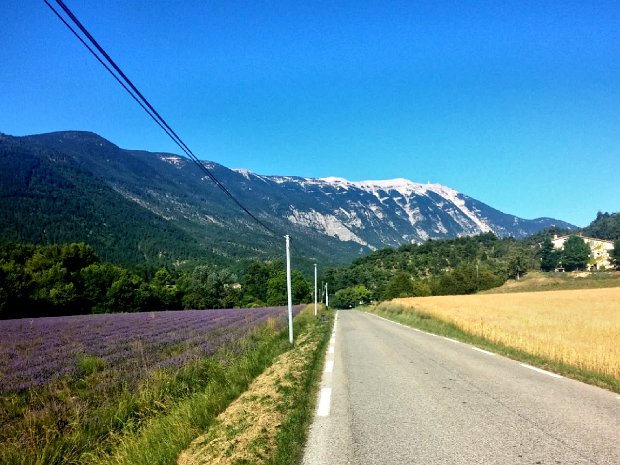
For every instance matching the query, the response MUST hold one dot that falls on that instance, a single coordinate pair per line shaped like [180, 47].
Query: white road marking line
[539, 370]
[415, 329]
[324, 402]
[450, 339]
[483, 351]
[329, 366]
[331, 349]
[391, 321]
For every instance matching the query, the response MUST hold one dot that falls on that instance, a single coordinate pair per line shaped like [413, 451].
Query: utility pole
[326, 296]
[315, 290]
[288, 287]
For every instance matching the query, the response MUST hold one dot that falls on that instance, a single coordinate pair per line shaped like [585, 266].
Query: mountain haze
[135, 206]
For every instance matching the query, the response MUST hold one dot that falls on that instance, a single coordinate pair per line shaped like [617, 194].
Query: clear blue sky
[516, 104]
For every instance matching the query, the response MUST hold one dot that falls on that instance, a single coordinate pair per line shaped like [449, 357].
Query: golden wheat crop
[578, 327]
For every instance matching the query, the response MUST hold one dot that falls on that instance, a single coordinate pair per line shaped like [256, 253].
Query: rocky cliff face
[390, 212]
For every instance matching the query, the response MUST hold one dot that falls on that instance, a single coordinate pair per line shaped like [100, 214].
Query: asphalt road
[394, 395]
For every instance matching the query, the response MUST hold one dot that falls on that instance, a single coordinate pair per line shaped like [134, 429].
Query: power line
[133, 91]
[107, 67]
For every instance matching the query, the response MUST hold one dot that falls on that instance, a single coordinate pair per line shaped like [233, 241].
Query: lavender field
[71, 386]
[34, 352]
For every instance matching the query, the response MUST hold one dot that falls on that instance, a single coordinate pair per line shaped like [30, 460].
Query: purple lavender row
[34, 352]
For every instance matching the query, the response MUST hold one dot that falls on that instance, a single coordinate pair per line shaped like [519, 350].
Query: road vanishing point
[391, 394]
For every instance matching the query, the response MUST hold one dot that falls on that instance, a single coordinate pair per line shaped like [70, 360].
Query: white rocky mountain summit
[376, 213]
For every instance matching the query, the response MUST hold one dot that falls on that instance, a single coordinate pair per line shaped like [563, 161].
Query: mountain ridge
[406, 189]
[331, 219]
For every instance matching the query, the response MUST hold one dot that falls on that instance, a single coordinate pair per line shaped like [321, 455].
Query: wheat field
[578, 327]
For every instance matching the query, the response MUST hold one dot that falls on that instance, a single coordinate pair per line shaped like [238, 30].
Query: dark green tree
[351, 297]
[343, 298]
[517, 266]
[254, 281]
[276, 289]
[576, 254]
[16, 291]
[165, 290]
[76, 256]
[421, 288]
[209, 287]
[549, 257]
[461, 280]
[56, 289]
[362, 294]
[97, 279]
[401, 285]
[129, 293]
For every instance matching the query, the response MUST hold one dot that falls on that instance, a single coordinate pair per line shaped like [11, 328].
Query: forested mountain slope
[138, 207]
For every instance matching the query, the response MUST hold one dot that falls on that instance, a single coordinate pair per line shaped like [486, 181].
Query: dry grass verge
[247, 431]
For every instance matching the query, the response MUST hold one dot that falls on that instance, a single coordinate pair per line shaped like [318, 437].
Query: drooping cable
[128, 85]
[108, 68]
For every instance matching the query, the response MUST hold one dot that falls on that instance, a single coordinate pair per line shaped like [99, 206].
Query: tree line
[451, 266]
[45, 280]
[436, 267]
[53, 280]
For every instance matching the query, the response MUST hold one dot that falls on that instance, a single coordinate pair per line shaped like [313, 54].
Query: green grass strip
[302, 402]
[431, 324]
[164, 437]
[161, 439]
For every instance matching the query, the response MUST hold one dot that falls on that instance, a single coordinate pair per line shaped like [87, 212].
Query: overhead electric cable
[145, 104]
[107, 68]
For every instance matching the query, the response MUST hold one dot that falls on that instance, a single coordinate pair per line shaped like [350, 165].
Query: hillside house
[600, 256]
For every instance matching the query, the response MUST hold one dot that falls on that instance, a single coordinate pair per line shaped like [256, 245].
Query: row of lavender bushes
[70, 385]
